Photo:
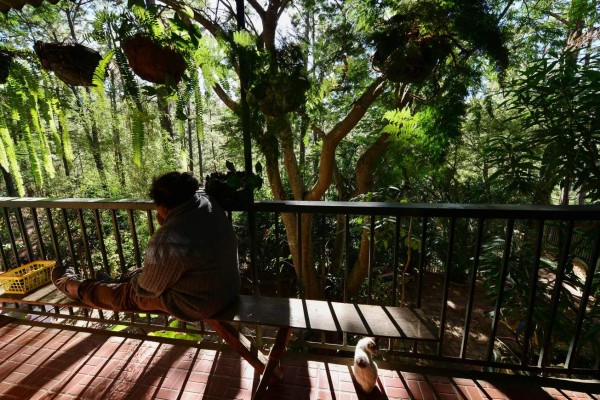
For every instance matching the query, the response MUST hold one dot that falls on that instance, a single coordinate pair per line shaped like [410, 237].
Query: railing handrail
[515, 211]
[85, 203]
[461, 210]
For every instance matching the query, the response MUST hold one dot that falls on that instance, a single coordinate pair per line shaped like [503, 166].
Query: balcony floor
[52, 363]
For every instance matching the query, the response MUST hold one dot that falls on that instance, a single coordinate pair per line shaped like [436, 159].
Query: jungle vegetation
[474, 101]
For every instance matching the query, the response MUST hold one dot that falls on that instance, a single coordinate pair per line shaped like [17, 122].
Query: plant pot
[153, 62]
[73, 64]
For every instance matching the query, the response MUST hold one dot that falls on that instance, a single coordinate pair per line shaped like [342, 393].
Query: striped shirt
[192, 261]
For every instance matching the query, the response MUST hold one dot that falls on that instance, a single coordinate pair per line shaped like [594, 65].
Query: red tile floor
[52, 363]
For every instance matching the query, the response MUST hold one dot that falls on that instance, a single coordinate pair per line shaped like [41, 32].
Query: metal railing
[498, 282]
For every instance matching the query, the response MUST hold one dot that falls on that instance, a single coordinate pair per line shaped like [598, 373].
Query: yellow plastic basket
[27, 277]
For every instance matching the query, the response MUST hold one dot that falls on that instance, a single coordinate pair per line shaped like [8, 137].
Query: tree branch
[290, 160]
[220, 92]
[338, 132]
[210, 26]
[367, 162]
[258, 8]
[558, 17]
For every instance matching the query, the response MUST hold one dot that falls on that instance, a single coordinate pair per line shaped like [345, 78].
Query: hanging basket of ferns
[152, 61]
[73, 64]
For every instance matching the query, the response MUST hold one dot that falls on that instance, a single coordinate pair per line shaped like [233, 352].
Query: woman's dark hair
[173, 189]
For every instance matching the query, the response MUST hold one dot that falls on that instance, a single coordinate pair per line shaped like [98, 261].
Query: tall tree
[413, 43]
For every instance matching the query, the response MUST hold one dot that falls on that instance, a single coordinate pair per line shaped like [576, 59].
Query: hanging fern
[137, 135]
[20, 115]
[199, 112]
[100, 73]
[130, 85]
[184, 96]
[9, 157]
[65, 138]
[43, 146]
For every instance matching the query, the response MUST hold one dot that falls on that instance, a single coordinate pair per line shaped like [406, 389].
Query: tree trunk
[365, 169]
[566, 191]
[11, 189]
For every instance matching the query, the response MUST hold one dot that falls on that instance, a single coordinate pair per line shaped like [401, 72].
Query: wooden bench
[285, 315]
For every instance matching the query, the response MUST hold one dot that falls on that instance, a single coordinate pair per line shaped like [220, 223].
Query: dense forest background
[430, 101]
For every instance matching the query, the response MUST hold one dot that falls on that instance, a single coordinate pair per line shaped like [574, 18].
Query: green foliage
[558, 99]
[195, 337]
[420, 36]
[8, 158]
[100, 73]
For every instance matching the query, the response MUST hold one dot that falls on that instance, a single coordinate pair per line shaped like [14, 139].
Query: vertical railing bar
[587, 290]
[276, 241]
[473, 281]
[69, 239]
[395, 261]
[532, 292]
[134, 238]
[11, 236]
[150, 222]
[554, 301]
[421, 276]
[300, 277]
[86, 246]
[101, 243]
[505, 262]
[422, 261]
[24, 235]
[53, 235]
[346, 268]
[115, 223]
[446, 286]
[321, 220]
[370, 263]
[5, 259]
[38, 233]
[346, 256]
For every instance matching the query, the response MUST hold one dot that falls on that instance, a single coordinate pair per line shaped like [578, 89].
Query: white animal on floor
[365, 369]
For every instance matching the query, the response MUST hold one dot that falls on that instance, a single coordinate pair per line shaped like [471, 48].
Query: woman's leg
[117, 296]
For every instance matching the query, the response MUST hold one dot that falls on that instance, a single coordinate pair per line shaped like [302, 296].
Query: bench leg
[239, 343]
[272, 367]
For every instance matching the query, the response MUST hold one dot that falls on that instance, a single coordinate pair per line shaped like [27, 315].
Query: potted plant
[73, 64]
[156, 50]
[153, 61]
[233, 189]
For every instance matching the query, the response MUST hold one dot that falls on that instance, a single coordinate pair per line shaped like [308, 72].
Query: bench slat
[366, 320]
